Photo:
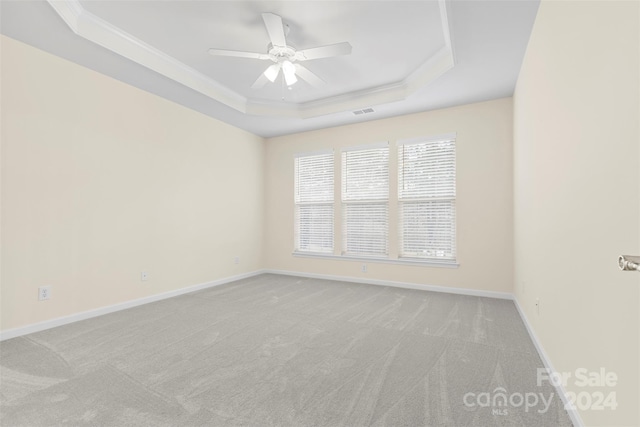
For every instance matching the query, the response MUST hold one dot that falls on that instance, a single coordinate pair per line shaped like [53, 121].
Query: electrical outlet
[236, 260]
[538, 306]
[44, 293]
[144, 276]
[364, 268]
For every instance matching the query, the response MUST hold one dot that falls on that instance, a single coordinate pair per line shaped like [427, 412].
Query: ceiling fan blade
[308, 76]
[239, 54]
[260, 82]
[337, 49]
[275, 29]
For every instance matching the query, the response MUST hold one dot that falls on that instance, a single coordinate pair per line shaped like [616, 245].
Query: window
[365, 200]
[314, 203]
[425, 213]
[427, 198]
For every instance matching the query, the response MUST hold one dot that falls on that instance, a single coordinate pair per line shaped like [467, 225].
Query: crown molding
[107, 35]
[335, 104]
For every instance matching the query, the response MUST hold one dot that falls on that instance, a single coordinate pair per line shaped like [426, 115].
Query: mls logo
[503, 412]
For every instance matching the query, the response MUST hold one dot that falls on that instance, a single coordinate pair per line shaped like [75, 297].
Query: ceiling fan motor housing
[281, 53]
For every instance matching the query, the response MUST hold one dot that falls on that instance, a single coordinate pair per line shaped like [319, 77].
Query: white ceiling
[407, 56]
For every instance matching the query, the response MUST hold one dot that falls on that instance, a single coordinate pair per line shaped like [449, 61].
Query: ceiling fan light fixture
[289, 71]
[271, 73]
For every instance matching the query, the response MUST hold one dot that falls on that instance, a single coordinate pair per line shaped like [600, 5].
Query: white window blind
[365, 201]
[427, 199]
[314, 203]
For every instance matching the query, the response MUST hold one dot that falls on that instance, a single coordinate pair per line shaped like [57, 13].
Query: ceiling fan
[285, 57]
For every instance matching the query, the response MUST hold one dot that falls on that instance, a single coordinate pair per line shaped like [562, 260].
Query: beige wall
[101, 181]
[577, 180]
[484, 196]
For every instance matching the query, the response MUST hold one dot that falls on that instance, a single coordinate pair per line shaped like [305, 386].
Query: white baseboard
[573, 413]
[424, 287]
[59, 321]
[41, 326]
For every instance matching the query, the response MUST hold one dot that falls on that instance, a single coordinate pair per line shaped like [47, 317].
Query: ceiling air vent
[365, 111]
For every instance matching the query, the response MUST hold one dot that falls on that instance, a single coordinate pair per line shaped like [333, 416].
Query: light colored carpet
[278, 350]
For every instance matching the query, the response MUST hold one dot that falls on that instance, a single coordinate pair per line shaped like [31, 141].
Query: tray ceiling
[407, 56]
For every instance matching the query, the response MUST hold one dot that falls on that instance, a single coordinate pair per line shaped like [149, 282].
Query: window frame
[425, 199]
[353, 199]
[300, 202]
[394, 225]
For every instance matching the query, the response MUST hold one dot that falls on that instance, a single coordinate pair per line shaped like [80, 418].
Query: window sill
[403, 261]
